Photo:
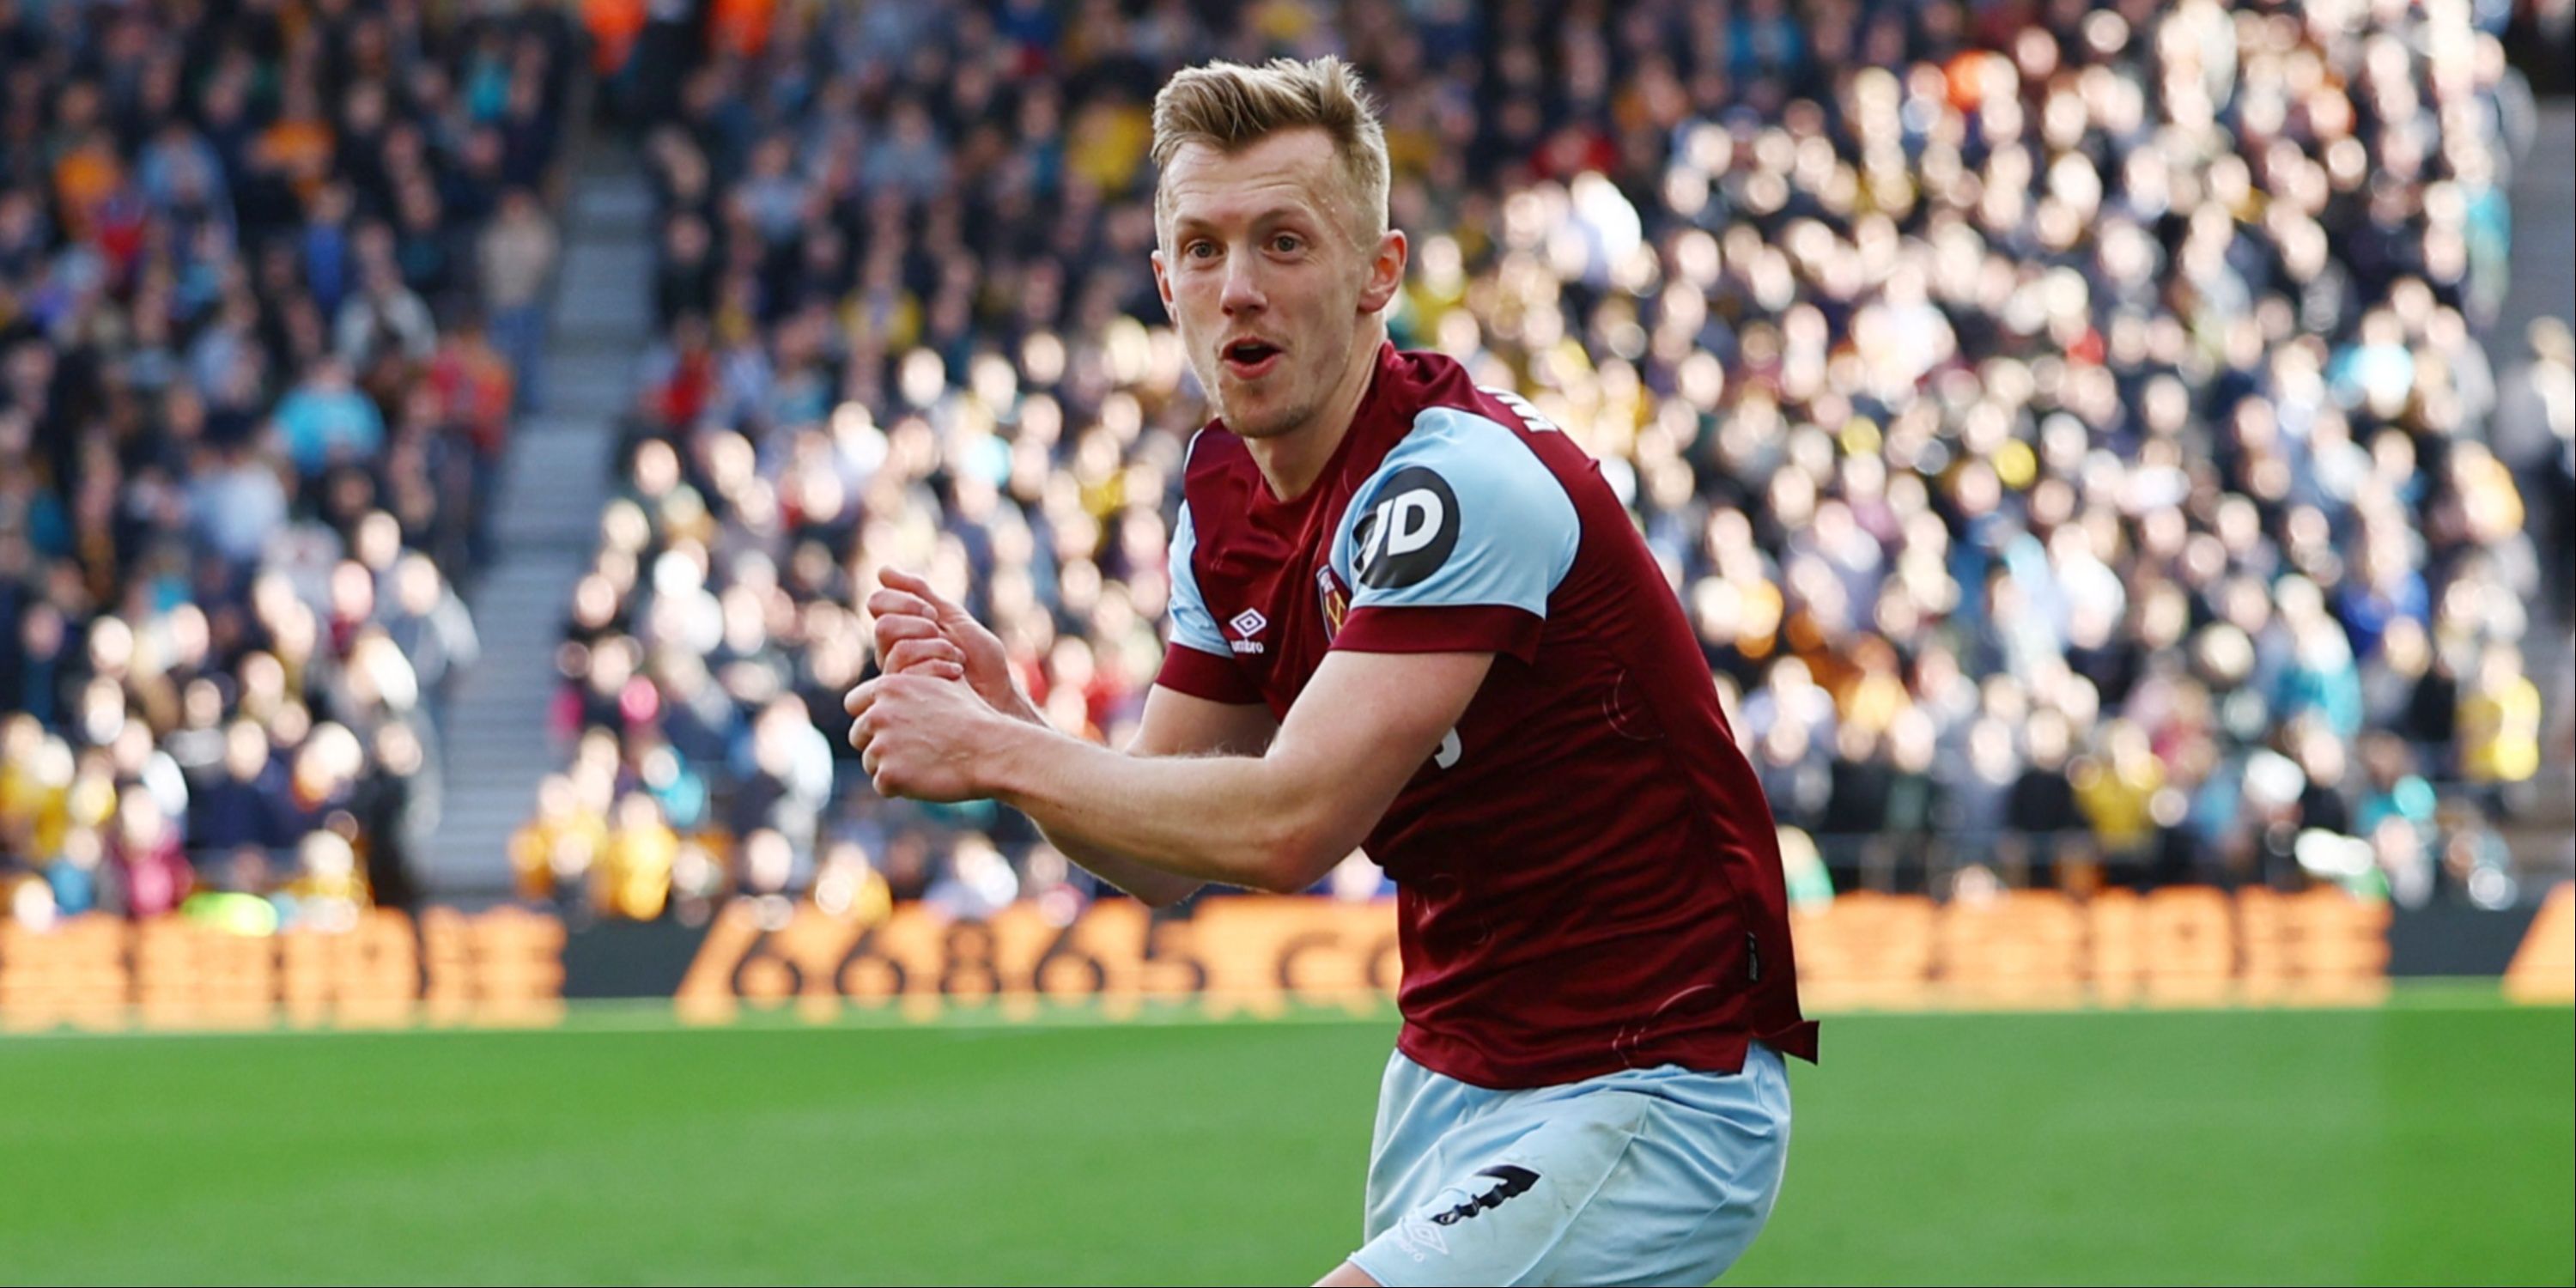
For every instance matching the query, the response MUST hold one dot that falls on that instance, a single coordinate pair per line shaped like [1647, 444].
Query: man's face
[1261, 271]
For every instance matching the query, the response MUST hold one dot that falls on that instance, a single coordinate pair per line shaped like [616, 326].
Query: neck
[1291, 462]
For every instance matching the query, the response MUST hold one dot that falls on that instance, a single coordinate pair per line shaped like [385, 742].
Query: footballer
[1408, 614]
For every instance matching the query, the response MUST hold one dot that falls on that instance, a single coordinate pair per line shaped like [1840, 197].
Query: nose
[1243, 293]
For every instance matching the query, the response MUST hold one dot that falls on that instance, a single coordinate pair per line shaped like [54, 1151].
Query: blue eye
[1200, 250]
[1286, 243]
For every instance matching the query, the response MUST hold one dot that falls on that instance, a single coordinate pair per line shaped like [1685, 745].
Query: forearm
[1153, 885]
[1151, 817]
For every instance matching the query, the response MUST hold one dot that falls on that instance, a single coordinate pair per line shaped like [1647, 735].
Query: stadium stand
[267, 282]
[2068, 423]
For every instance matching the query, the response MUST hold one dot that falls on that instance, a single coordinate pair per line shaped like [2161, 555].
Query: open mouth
[1251, 359]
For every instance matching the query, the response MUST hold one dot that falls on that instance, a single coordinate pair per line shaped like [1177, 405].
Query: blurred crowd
[2066, 423]
[269, 296]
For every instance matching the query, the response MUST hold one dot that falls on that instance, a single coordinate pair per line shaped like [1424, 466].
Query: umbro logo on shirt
[1247, 624]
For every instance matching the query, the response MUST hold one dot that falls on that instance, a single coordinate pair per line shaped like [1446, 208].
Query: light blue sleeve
[1462, 513]
[1193, 626]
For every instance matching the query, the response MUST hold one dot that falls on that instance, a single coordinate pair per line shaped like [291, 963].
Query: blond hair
[1230, 106]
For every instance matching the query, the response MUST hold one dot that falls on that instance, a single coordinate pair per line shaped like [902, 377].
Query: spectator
[148, 871]
[847, 885]
[245, 805]
[239, 502]
[384, 319]
[2499, 722]
[326, 418]
[2535, 437]
[389, 806]
[978, 882]
[516, 259]
[329, 888]
[182, 262]
[633, 877]
[552, 853]
[2108, 412]
[2396, 804]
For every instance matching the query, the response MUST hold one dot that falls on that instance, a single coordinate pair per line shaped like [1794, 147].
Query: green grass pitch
[2414, 1143]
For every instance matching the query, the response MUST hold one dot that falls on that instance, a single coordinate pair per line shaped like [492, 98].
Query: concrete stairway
[546, 529]
[2543, 832]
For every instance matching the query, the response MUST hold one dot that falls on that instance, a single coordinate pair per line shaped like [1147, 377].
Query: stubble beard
[1269, 424]
[1274, 425]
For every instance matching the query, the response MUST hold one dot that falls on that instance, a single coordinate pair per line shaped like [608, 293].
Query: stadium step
[2542, 836]
[2544, 223]
[595, 278]
[497, 746]
[531, 512]
[616, 338]
[611, 279]
[613, 210]
[595, 386]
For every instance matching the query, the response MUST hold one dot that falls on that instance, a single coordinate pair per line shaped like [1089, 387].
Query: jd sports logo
[1408, 535]
[1515, 1181]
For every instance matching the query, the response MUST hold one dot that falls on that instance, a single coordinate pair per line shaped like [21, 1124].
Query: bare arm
[1175, 724]
[918, 632]
[1277, 821]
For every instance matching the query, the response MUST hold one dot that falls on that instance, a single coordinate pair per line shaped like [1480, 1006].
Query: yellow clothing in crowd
[633, 879]
[339, 887]
[534, 847]
[1108, 145]
[2117, 797]
[33, 808]
[855, 892]
[2500, 732]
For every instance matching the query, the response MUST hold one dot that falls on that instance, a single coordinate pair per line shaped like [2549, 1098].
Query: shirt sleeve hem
[1205, 675]
[1463, 628]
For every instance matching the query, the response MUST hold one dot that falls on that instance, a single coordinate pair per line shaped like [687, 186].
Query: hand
[924, 737]
[917, 631]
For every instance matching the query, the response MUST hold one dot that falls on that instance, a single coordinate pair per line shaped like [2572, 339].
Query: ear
[1163, 287]
[1386, 271]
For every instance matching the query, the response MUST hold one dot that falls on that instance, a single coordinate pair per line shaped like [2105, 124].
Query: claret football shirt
[1587, 874]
